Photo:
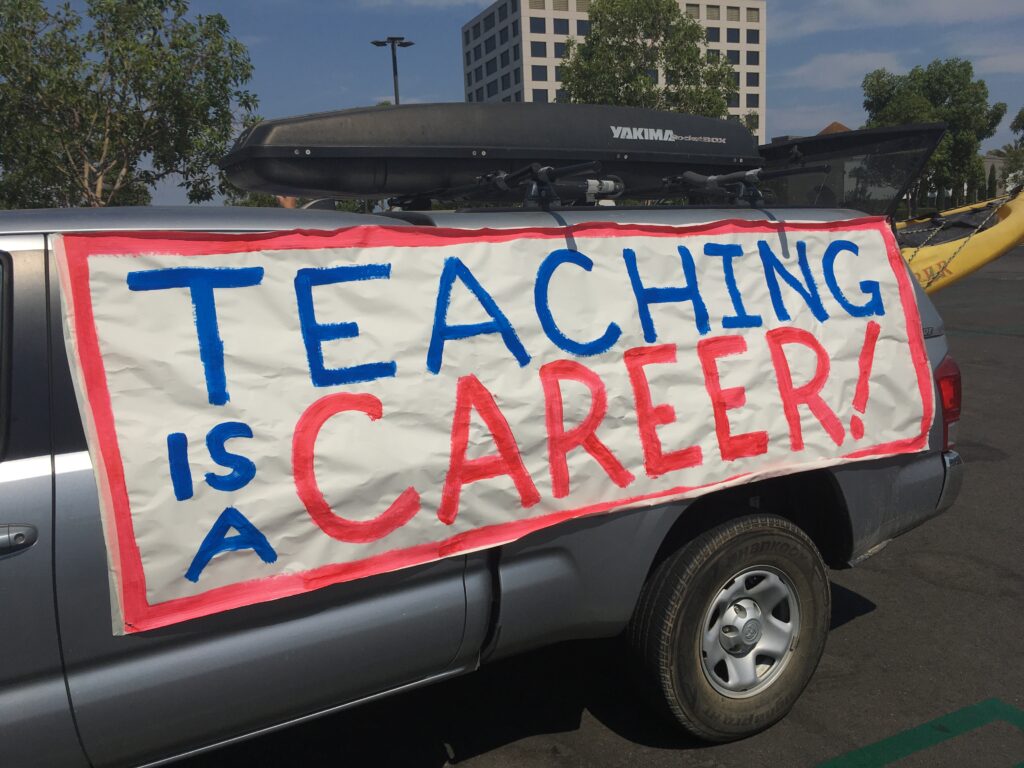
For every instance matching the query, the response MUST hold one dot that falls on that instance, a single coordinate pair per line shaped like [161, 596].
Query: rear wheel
[730, 628]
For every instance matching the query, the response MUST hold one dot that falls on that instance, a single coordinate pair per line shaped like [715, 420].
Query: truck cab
[73, 693]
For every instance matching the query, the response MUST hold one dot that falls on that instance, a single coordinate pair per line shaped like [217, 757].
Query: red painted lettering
[303, 453]
[472, 395]
[722, 400]
[649, 416]
[560, 441]
[807, 394]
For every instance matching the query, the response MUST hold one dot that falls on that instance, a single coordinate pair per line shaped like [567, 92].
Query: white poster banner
[271, 414]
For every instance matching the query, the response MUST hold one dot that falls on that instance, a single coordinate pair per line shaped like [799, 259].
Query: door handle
[15, 538]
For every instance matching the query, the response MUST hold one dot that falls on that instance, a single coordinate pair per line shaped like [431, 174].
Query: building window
[583, 27]
[539, 73]
[693, 10]
[479, 94]
[583, 6]
[732, 13]
[538, 49]
[513, 5]
[540, 95]
[753, 36]
[476, 30]
[515, 28]
[479, 72]
[558, 74]
[732, 35]
[753, 100]
[505, 58]
[753, 79]
[490, 44]
[753, 59]
[492, 88]
[653, 74]
[492, 66]
[714, 35]
[559, 50]
[559, 5]
[515, 76]
[560, 26]
[714, 13]
[734, 100]
[754, 15]
[561, 96]
[488, 21]
[536, 5]
[469, 97]
[469, 78]
[469, 58]
[506, 82]
[515, 52]
[537, 25]
[518, 96]
[465, 37]
[736, 78]
[714, 54]
[502, 13]
[733, 56]
[503, 35]
[477, 53]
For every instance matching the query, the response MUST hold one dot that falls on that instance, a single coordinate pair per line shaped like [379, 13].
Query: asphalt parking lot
[923, 667]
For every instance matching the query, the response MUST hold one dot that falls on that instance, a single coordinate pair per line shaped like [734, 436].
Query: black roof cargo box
[435, 149]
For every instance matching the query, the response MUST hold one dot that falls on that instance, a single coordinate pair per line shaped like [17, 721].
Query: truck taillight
[947, 376]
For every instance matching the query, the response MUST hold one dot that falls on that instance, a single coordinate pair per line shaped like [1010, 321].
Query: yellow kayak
[940, 264]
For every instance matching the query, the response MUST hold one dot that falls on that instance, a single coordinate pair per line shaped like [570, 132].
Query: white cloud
[798, 19]
[1009, 62]
[997, 53]
[829, 71]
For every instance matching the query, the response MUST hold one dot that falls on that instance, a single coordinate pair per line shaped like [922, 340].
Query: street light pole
[395, 42]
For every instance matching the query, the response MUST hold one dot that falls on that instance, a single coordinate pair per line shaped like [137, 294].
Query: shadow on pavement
[538, 693]
[847, 606]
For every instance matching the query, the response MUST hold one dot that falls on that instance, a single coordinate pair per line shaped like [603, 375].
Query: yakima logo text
[658, 134]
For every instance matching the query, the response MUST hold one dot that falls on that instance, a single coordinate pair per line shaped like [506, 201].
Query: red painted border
[75, 251]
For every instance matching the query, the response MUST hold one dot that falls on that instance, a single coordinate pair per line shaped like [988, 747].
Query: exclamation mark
[860, 397]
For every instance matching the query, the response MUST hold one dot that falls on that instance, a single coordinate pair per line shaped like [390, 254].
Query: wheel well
[810, 500]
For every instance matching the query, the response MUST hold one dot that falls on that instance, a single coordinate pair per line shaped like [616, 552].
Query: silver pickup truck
[724, 601]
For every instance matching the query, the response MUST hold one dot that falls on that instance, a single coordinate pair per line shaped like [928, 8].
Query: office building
[513, 49]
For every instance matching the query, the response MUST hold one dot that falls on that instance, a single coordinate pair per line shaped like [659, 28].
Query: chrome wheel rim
[749, 632]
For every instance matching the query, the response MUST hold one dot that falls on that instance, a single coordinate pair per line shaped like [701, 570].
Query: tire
[729, 629]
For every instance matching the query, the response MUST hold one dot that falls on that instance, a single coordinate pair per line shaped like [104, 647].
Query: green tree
[646, 53]
[98, 110]
[944, 91]
[991, 188]
[1017, 124]
[1013, 154]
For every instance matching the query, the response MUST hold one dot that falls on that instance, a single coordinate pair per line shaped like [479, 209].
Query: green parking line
[928, 735]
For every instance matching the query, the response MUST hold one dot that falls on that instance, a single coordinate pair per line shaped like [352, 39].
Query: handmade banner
[270, 414]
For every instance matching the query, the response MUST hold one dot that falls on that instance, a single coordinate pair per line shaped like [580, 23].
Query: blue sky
[315, 55]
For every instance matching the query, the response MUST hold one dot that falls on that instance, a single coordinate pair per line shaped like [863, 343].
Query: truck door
[36, 728]
[150, 695]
